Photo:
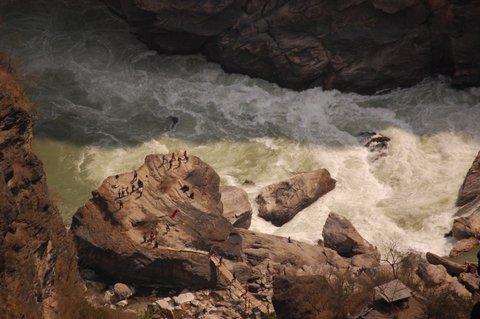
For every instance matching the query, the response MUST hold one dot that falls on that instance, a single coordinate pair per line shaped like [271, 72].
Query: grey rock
[236, 206]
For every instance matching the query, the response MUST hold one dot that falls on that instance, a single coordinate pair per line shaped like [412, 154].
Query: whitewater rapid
[104, 101]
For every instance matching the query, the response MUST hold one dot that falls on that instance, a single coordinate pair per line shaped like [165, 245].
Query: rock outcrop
[340, 235]
[471, 185]
[280, 202]
[155, 234]
[466, 227]
[38, 266]
[362, 46]
[236, 207]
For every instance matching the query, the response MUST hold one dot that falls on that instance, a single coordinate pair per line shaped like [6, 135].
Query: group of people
[124, 191]
[173, 158]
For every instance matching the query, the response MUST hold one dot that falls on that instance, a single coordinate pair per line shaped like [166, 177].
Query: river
[104, 101]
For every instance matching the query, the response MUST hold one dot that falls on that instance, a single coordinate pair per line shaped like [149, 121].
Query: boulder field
[158, 235]
[362, 46]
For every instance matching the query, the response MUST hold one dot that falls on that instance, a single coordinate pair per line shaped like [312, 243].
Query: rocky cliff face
[352, 45]
[38, 266]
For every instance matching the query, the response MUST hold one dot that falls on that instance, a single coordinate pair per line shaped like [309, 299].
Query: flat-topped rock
[236, 207]
[280, 202]
[466, 227]
[154, 235]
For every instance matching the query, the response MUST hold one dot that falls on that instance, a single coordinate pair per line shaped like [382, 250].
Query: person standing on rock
[173, 156]
[140, 187]
[185, 155]
[179, 161]
[164, 160]
[120, 202]
[135, 175]
[171, 163]
[174, 213]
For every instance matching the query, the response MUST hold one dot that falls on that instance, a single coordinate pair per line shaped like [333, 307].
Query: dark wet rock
[236, 206]
[280, 202]
[356, 45]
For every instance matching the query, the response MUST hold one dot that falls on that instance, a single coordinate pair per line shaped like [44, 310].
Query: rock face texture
[471, 185]
[362, 46]
[152, 236]
[38, 266]
[236, 207]
[340, 235]
[280, 202]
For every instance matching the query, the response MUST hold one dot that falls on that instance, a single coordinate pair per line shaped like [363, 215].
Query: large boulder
[280, 202]
[236, 206]
[453, 268]
[38, 270]
[362, 45]
[466, 227]
[463, 246]
[157, 235]
[340, 235]
[471, 185]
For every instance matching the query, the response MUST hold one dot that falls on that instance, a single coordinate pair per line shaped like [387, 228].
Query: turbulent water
[103, 102]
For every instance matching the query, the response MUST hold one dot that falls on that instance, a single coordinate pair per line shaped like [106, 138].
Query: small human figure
[115, 185]
[171, 163]
[120, 202]
[164, 160]
[140, 187]
[179, 162]
[123, 191]
[152, 236]
[174, 213]
[144, 237]
[289, 239]
[135, 175]
[192, 195]
[133, 188]
[173, 156]
[119, 194]
[184, 188]
[221, 260]
[185, 155]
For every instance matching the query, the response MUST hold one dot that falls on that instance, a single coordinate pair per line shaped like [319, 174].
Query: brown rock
[340, 235]
[236, 207]
[453, 268]
[280, 202]
[470, 281]
[110, 237]
[38, 269]
[466, 227]
[463, 246]
[471, 185]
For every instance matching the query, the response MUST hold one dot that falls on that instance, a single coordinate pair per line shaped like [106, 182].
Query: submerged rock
[280, 202]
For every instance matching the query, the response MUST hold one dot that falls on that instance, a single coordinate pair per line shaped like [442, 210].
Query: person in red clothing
[174, 213]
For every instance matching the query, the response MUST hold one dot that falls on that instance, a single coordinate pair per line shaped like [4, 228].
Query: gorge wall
[38, 264]
[352, 45]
